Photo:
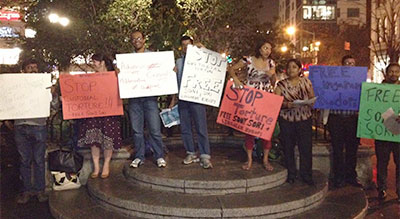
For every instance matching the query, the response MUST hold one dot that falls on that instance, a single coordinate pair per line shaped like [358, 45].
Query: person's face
[393, 74]
[265, 50]
[31, 68]
[349, 62]
[138, 40]
[98, 66]
[185, 44]
[293, 70]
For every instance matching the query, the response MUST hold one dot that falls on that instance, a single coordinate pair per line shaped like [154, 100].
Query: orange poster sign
[250, 111]
[90, 95]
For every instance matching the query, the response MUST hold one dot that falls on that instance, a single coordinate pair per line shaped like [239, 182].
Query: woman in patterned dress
[295, 121]
[100, 133]
[260, 75]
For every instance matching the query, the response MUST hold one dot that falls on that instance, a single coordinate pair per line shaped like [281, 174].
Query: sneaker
[23, 198]
[42, 197]
[191, 158]
[136, 163]
[161, 162]
[206, 163]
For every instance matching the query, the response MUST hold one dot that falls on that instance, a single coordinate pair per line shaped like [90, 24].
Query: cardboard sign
[250, 111]
[146, 74]
[203, 76]
[25, 96]
[375, 100]
[90, 95]
[337, 87]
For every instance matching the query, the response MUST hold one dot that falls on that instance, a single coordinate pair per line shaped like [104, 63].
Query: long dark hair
[258, 47]
[101, 57]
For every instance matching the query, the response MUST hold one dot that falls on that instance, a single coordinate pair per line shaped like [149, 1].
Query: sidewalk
[10, 186]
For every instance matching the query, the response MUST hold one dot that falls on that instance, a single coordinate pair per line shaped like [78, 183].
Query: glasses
[137, 39]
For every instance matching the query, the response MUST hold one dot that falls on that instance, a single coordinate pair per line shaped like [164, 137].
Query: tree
[385, 35]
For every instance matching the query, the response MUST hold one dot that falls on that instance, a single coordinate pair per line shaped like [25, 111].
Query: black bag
[63, 160]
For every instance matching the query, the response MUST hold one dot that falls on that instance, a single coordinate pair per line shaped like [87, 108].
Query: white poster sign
[25, 96]
[203, 76]
[146, 74]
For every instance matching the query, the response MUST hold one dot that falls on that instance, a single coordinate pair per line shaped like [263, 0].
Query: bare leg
[106, 165]
[266, 163]
[95, 157]
[247, 165]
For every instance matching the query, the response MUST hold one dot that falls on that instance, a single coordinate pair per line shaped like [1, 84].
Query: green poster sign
[375, 100]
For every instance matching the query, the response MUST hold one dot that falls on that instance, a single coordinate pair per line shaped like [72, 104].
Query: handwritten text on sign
[146, 74]
[337, 87]
[250, 110]
[25, 96]
[90, 95]
[203, 76]
[375, 100]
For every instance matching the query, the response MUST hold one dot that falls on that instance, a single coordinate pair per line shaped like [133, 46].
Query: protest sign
[146, 74]
[25, 96]
[203, 76]
[376, 99]
[90, 95]
[337, 87]
[250, 110]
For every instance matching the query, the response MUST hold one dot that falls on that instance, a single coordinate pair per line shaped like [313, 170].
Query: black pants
[299, 133]
[383, 149]
[343, 132]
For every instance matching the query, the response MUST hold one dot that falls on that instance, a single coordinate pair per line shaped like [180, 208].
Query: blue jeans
[197, 112]
[141, 110]
[31, 144]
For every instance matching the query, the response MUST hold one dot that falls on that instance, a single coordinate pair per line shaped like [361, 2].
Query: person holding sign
[141, 109]
[30, 138]
[383, 149]
[260, 75]
[342, 126]
[189, 111]
[295, 121]
[100, 133]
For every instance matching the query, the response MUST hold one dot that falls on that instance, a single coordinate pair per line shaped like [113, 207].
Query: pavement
[11, 186]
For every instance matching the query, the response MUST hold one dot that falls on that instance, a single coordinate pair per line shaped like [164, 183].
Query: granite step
[72, 204]
[132, 199]
[226, 177]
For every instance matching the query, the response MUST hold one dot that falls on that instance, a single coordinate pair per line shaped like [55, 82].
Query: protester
[145, 109]
[383, 149]
[30, 138]
[342, 126]
[260, 75]
[100, 133]
[295, 121]
[188, 112]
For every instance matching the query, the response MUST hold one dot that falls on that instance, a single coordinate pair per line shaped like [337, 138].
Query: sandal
[246, 166]
[268, 166]
[94, 175]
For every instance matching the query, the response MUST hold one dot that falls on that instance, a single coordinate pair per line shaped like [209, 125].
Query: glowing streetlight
[318, 43]
[284, 49]
[64, 21]
[305, 48]
[291, 30]
[54, 18]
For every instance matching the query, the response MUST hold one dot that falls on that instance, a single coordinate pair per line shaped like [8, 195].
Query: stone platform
[226, 191]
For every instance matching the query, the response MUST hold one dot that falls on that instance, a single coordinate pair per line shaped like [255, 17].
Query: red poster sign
[250, 111]
[90, 95]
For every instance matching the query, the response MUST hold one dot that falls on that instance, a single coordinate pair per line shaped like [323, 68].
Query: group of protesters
[295, 121]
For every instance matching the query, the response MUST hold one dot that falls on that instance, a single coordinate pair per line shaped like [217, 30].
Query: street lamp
[313, 47]
[284, 49]
[54, 18]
